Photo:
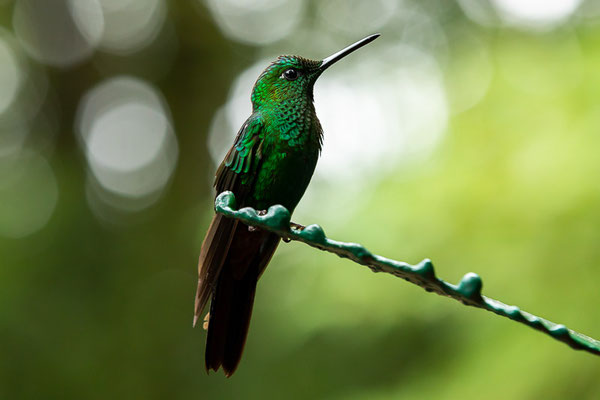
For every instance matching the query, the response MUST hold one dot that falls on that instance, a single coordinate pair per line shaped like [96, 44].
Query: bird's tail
[230, 311]
[231, 260]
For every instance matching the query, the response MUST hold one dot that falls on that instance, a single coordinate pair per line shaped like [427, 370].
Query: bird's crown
[286, 78]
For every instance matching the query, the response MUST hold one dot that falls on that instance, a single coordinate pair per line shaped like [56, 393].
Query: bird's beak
[343, 53]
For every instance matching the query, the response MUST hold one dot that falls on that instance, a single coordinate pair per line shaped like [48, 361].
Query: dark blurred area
[468, 133]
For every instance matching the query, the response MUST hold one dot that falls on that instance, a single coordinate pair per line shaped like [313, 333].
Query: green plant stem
[468, 291]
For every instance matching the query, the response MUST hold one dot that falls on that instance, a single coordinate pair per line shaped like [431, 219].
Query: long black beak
[329, 61]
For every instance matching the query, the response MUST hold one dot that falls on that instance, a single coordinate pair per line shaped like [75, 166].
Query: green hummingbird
[271, 162]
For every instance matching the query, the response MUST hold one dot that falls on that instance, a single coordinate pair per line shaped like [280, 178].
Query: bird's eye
[290, 74]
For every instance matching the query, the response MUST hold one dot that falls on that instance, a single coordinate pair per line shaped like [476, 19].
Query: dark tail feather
[230, 311]
[233, 298]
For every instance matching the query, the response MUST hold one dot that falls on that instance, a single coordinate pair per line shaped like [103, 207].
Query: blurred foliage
[93, 308]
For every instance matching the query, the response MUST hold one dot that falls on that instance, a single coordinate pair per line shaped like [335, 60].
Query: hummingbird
[271, 162]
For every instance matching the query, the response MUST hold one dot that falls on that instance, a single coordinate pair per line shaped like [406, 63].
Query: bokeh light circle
[535, 13]
[12, 139]
[10, 75]
[258, 22]
[126, 132]
[356, 15]
[23, 90]
[58, 33]
[468, 72]
[480, 11]
[29, 194]
[131, 25]
[530, 14]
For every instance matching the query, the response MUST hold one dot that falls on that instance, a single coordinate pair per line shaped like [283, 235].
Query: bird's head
[291, 78]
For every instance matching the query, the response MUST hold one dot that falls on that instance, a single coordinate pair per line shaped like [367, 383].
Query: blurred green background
[468, 133]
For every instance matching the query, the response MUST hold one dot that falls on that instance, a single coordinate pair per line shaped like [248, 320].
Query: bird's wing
[236, 173]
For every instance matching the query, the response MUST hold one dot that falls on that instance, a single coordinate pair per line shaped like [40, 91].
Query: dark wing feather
[221, 231]
[237, 171]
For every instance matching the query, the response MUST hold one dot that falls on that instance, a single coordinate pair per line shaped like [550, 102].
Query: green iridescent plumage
[276, 150]
[271, 162]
